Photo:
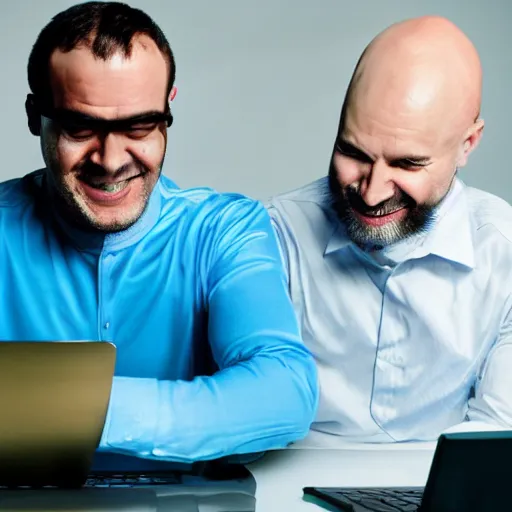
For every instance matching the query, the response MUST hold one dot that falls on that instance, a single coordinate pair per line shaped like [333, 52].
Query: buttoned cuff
[132, 416]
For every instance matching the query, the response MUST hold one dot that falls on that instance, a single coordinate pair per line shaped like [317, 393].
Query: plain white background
[260, 85]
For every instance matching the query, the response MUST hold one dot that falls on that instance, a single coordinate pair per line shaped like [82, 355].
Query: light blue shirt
[195, 286]
[413, 341]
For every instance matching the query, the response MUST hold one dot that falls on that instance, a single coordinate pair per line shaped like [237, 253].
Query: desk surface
[280, 476]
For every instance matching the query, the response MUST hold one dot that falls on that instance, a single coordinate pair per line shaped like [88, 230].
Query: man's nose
[378, 186]
[111, 153]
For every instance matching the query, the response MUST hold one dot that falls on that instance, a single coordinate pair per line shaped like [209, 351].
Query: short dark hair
[105, 27]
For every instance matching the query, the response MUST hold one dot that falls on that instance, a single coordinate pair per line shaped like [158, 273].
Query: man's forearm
[261, 404]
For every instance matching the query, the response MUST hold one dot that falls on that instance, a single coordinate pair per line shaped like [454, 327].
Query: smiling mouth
[378, 215]
[381, 220]
[110, 188]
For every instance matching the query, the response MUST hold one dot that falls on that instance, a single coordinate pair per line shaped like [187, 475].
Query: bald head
[410, 120]
[425, 66]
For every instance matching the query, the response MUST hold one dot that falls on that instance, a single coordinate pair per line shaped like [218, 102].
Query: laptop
[54, 398]
[190, 494]
[470, 472]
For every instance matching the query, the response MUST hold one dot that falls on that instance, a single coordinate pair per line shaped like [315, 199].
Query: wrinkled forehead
[116, 87]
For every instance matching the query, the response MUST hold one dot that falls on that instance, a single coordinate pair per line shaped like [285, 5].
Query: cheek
[61, 155]
[347, 170]
[425, 187]
[150, 152]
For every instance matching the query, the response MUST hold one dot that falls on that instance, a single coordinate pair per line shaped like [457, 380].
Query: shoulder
[20, 216]
[490, 214]
[200, 206]
[18, 194]
[315, 193]
[304, 216]
[219, 228]
[311, 201]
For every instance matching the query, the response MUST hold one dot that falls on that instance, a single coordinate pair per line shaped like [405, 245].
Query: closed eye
[77, 132]
[141, 130]
[410, 164]
[350, 151]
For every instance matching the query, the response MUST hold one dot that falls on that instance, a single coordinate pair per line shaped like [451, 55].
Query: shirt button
[107, 325]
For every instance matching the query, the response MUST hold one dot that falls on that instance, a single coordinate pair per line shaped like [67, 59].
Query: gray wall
[260, 84]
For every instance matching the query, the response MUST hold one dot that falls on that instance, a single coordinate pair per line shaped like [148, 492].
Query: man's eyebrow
[346, 146]
[82, 116]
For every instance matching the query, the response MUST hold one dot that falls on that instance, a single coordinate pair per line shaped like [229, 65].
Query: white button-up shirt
[414, 343]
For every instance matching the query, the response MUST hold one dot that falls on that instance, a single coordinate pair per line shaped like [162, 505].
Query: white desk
[280, 476]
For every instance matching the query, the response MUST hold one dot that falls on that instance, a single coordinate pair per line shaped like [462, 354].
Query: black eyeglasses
[80, 125]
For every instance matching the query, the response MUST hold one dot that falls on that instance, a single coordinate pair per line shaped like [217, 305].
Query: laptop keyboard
[378, 500]
[133, 480]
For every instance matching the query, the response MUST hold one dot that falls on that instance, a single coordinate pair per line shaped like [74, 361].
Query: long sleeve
[491, 406]
[264, 395]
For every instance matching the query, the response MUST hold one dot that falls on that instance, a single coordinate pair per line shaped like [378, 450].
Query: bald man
[399, 273]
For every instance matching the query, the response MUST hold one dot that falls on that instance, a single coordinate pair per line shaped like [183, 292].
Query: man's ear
[33, 115]
[473, 137]
[172, 94]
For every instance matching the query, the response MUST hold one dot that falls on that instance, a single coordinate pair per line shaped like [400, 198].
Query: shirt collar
[111, 242]
[339, 238]
[450, 238]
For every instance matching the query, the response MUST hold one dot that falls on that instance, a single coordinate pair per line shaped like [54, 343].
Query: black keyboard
[133, 480]
[375, 499]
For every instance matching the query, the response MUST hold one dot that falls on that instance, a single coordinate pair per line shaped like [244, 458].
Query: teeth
[110, 188]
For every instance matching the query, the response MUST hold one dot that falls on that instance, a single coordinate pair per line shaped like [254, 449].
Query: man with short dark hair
[400, 274]
[99, 245]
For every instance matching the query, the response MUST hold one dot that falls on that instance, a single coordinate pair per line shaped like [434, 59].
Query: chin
[115, 222]
[107, 220]
[114, 218]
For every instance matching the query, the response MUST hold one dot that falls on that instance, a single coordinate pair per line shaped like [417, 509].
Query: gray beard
[419, 219]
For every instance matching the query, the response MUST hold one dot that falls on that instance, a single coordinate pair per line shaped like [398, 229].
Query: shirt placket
[105, 296]
[389, 363]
